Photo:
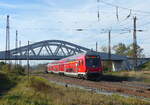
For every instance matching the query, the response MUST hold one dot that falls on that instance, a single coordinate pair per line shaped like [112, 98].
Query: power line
[113, 5]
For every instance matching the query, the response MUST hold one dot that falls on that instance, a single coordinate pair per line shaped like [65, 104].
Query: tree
[104, 49]
[139, 51]
[18, 69]
[122, 49]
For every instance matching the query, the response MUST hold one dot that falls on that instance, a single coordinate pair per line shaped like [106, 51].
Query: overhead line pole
[7, 28]
[96, 46]
[109, 45]
[134, 42]
[109, 49]
[16, 62]
[28, 65]
[7, 53]
[20, 62]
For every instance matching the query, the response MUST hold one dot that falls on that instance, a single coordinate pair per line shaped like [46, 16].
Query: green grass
[146, 66]
[39, 91]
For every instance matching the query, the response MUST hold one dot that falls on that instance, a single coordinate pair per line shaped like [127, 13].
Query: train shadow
[111, 78]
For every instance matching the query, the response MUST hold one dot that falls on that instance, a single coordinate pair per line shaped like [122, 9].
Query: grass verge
[38, 91]
[146, 66]
[7, 81]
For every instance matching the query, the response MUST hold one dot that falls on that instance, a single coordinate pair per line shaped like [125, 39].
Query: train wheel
[85, 77]
[46, 71]
[80, 76]
[61, 74]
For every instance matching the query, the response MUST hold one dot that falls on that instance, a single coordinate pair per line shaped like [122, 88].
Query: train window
[82, 62]
[79, 63]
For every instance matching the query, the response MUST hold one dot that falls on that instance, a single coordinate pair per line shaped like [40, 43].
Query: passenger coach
[84, 65]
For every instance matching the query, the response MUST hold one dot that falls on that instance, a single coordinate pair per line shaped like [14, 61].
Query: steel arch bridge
[49, 50]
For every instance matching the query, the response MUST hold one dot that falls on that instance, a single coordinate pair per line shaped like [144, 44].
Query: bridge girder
[50, 50]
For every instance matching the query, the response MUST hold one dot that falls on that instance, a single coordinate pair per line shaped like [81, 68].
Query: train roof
[71, 58]
[82, 54]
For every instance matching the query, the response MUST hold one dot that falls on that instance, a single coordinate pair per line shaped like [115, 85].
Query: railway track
[129, 88]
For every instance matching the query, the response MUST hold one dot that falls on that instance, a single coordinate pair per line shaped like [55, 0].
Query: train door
[81, 67]
[76, 68]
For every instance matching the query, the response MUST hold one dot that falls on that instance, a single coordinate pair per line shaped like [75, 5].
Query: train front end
[93, 66]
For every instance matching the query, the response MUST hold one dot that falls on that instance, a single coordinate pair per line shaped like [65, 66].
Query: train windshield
[93, 61]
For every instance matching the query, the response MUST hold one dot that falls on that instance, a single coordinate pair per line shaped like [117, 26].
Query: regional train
[84, 65]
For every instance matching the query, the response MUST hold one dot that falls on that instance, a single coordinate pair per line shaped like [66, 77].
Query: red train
[85, 65]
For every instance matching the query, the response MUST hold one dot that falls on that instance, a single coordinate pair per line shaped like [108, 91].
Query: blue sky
[38, 20]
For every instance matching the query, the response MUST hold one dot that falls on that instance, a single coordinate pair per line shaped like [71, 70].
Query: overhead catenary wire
[98, 11]
[129, 15]
[98, 14]
[134, 10]
[131, 11]
[117, 13]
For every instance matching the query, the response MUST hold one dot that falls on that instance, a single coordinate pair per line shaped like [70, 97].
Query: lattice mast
[7, 54]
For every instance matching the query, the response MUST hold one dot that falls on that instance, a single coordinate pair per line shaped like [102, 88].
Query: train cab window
[93, 61]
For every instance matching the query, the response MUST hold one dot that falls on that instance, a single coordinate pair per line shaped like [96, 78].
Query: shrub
[18, 69]
[6, 68]
[2, 64]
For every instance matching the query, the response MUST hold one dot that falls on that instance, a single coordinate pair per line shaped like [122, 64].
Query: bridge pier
[116, 65]
[120, 65]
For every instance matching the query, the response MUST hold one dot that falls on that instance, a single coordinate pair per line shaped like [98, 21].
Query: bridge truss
[50, 50]
[44, 50]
